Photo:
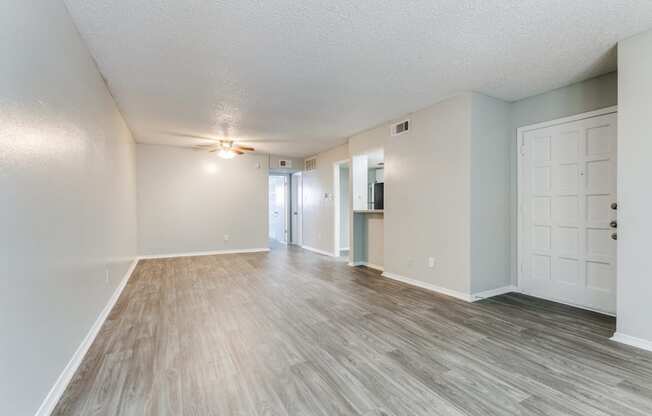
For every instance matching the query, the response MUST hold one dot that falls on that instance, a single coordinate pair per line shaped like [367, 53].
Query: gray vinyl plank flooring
[294, 333]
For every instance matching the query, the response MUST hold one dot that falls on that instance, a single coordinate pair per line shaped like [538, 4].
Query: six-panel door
[569, 175]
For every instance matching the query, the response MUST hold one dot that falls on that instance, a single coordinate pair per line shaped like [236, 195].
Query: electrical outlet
[226, 237]
[431, 262]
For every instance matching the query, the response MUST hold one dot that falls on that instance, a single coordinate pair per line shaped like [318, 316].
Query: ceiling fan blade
[244, 148]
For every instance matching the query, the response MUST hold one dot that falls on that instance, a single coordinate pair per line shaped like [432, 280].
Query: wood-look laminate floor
[295, 333]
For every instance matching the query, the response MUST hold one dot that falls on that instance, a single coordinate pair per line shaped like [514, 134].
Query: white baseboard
[632, 341]
[365, 264]
[459, 295]
[204, 253]
[318, 251]
[60, 385]
[494, 292]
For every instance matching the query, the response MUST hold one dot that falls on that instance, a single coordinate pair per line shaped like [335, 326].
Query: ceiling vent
[400, 128]
[310, 164]
[285, 164]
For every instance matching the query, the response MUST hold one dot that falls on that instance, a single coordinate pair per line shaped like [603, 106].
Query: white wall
[427, 196]
[297, 164]
[447, 194]
[490, 194]
[67, 199]
[318, 209]
[188, 201]
[634, 197]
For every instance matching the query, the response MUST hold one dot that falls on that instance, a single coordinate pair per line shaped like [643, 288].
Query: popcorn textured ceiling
[298, 77]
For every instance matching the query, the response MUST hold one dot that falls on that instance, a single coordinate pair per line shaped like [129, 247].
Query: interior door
[297, 197]
[277, 208]
[568, 228]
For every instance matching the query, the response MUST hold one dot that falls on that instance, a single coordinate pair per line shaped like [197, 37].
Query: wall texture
[67, 199]
[490, 194]
[188, 201]
[427, 194]
[634, 198]
[318, 209]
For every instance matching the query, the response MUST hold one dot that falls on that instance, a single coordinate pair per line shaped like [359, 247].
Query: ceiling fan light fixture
[226, 154]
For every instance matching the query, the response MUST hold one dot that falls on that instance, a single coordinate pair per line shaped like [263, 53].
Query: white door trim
[336, 205]
[298, 179]
[520, 132]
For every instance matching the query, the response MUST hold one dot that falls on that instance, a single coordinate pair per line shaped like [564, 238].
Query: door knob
[614, 236]
[614, 206]
[613, 224]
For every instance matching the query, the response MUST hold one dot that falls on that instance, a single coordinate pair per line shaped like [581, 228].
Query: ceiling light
[226, 154]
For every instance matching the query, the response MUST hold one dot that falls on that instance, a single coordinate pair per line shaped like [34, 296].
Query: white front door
[568, 186]
[277, 203]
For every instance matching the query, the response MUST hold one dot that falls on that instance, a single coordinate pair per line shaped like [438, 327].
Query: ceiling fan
[227, 149]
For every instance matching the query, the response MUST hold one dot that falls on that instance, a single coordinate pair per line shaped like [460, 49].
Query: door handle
[613, 224]
[614, 236]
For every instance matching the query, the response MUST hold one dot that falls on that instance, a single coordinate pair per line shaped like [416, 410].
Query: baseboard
[632, 341]
[365, 264]
[453, 293]
[204, 253]
[62, 382]
[318, 251]
[494, 292]
[560, 301]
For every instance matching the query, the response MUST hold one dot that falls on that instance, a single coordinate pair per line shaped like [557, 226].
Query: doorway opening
[278, 208]
[342, 207]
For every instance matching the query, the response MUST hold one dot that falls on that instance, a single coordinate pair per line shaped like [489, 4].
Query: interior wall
[188, 201]
[68, 199]
[589, 95]
[490, 203]
[318, 209]
[634, 198]
[345, 212]
[427, 196]
[274, 165]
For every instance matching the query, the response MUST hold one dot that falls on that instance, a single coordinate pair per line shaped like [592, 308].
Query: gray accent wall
[634, 196]
[490, 202]
[67, 199]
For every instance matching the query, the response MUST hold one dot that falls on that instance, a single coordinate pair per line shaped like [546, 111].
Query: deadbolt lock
[613, 224]
[614, 236]
[614, 206]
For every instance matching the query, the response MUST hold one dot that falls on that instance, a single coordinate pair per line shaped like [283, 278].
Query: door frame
[286, 206]
[298, 177]
[336, 205]
[520, 132]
